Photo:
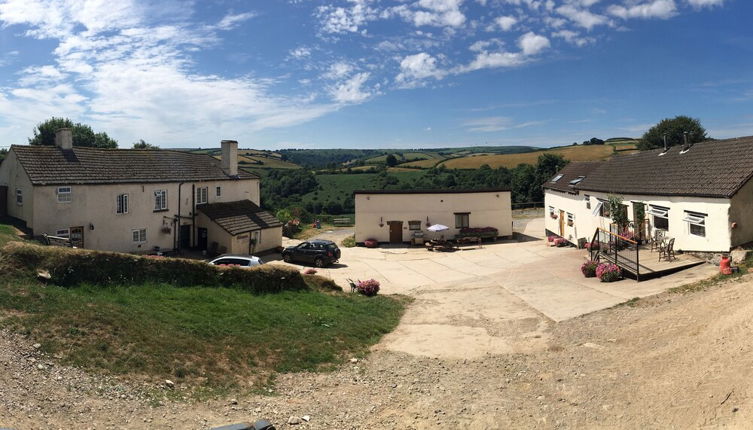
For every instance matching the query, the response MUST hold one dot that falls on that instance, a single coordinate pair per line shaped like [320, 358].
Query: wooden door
[562, 223]
[77, 236]
[396, 231]
[203, 239]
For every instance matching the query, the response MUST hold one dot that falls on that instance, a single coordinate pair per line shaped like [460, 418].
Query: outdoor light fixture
[428, 224]
[381, 222]
[91, 226]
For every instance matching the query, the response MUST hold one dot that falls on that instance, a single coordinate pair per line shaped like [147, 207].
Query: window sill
[161, 210]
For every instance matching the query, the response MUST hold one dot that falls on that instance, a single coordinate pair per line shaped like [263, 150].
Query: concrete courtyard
[499, 298]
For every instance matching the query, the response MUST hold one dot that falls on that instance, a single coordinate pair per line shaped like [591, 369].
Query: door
[3, 201]
[185, 236]
[77, 236]
[202, 239]
[562, 223]
[396, 231]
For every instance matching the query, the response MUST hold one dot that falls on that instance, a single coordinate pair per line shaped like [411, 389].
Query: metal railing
[620, 250]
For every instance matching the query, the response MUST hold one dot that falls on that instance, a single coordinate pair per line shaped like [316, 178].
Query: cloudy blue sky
[374, 73]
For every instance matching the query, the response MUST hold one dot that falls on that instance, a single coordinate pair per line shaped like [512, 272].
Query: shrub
[589, 268]
[608, 272]
[349, 242]
[70, 267]
[369, 288]
[560, 241]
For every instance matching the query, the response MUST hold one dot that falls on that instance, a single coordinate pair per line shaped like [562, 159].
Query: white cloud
[582, 17]
[573, 37]
[705, 3]
[350, 19]
[414, 68]
[119, 72]
[493, 60]
[652, 9]
[300, 52]
[439, 13]
[231, 21]
[506, 23]
[351, 91]
[532, 43]
[338, 70]
[496, 123]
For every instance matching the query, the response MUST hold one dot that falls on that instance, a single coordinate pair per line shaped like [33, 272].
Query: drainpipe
[193, 213]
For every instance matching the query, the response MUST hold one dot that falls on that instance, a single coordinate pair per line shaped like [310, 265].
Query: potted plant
[589, 268]
[608, 272]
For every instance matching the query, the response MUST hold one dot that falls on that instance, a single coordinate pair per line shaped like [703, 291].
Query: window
[577, 180]
[462, 220]
[64, 194]
[65, 233]
[218, 191]
[121, 204]
[557, 178]
[202, 195]
[19, 197]
[551, 210]
[588, 201]
[696, 222]
[139, 235]
[660, 216]
[603, 208]
[570, 219]
[414, 225]
[160, 200]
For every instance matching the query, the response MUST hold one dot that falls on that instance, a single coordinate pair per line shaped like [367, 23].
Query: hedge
[70, 267]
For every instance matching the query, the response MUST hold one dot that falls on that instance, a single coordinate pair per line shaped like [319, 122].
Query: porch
[637, 261]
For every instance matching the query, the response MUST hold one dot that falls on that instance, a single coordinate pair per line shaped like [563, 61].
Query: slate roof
[716, 168]
[50, 165]
[572, 171]
[239, 217]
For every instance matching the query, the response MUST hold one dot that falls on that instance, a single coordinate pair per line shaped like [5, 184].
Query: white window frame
[587, 198]
[466, 216]
[64, 196]
[121, 204]
[218, 191]
[63, 232]
[19, 197]
[138, 235]
[695, 219]
[160, 200]
[551, 210]
[570, 218]
[659, 212]
[202, 192]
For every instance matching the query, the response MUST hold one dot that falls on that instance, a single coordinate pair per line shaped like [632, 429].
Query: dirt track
[672, 361]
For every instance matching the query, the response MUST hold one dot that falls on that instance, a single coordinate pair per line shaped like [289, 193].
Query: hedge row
[70, 267]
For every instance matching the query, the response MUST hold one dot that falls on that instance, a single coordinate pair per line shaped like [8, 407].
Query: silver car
[237, 260]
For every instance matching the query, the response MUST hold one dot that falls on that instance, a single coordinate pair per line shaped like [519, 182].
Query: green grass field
[339, 186]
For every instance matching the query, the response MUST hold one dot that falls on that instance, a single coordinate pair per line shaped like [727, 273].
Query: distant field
[572, 153]
[424, 164]
[403, 156]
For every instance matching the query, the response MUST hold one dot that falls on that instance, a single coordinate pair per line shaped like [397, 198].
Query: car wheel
[319, 262]
[287, 258]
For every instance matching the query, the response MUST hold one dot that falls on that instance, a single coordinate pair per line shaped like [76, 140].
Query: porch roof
[239, 217]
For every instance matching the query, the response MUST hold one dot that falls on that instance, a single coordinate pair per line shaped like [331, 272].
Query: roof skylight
[557, 178]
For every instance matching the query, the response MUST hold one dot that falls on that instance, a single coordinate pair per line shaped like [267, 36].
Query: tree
[674, 130]
[546, 167]
[83, 135]
[391, 160]
[142, 144]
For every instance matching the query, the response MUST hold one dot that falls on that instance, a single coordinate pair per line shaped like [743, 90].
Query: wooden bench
[468, 241]
[342, 221]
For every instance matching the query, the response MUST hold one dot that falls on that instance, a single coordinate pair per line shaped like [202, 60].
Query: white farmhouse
[700, 195]
[394, 216]
[132, 200]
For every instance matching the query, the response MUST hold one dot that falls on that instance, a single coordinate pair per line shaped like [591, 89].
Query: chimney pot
[64, 138]
[230, 157]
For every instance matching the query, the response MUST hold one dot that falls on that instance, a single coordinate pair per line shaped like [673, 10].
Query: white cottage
[701, 195]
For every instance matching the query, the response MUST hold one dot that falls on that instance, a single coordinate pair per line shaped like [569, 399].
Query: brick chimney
[230, 157]
[64, 138]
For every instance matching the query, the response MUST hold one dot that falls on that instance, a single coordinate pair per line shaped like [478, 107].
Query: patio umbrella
[437, 228]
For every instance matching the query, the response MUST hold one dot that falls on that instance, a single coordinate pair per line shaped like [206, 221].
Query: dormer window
[557, 178]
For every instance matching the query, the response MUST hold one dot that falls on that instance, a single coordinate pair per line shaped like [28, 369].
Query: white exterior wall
[266, 239]
[14, 177]
[487, 209]
[96, 205]
[718, 233]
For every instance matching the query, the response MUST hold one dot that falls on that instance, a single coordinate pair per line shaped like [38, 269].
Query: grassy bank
[218, 337]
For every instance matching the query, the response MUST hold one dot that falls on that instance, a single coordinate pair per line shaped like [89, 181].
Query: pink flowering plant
[560, 241]
[309, 271]
[550, 238]
[589, 246]
[608, 272]
[589, 268]
[369, 287]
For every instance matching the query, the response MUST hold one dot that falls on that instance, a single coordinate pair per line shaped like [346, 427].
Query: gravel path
[672, 361]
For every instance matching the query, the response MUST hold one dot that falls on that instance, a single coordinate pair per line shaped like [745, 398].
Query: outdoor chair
[657, 240]
[667, 250]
